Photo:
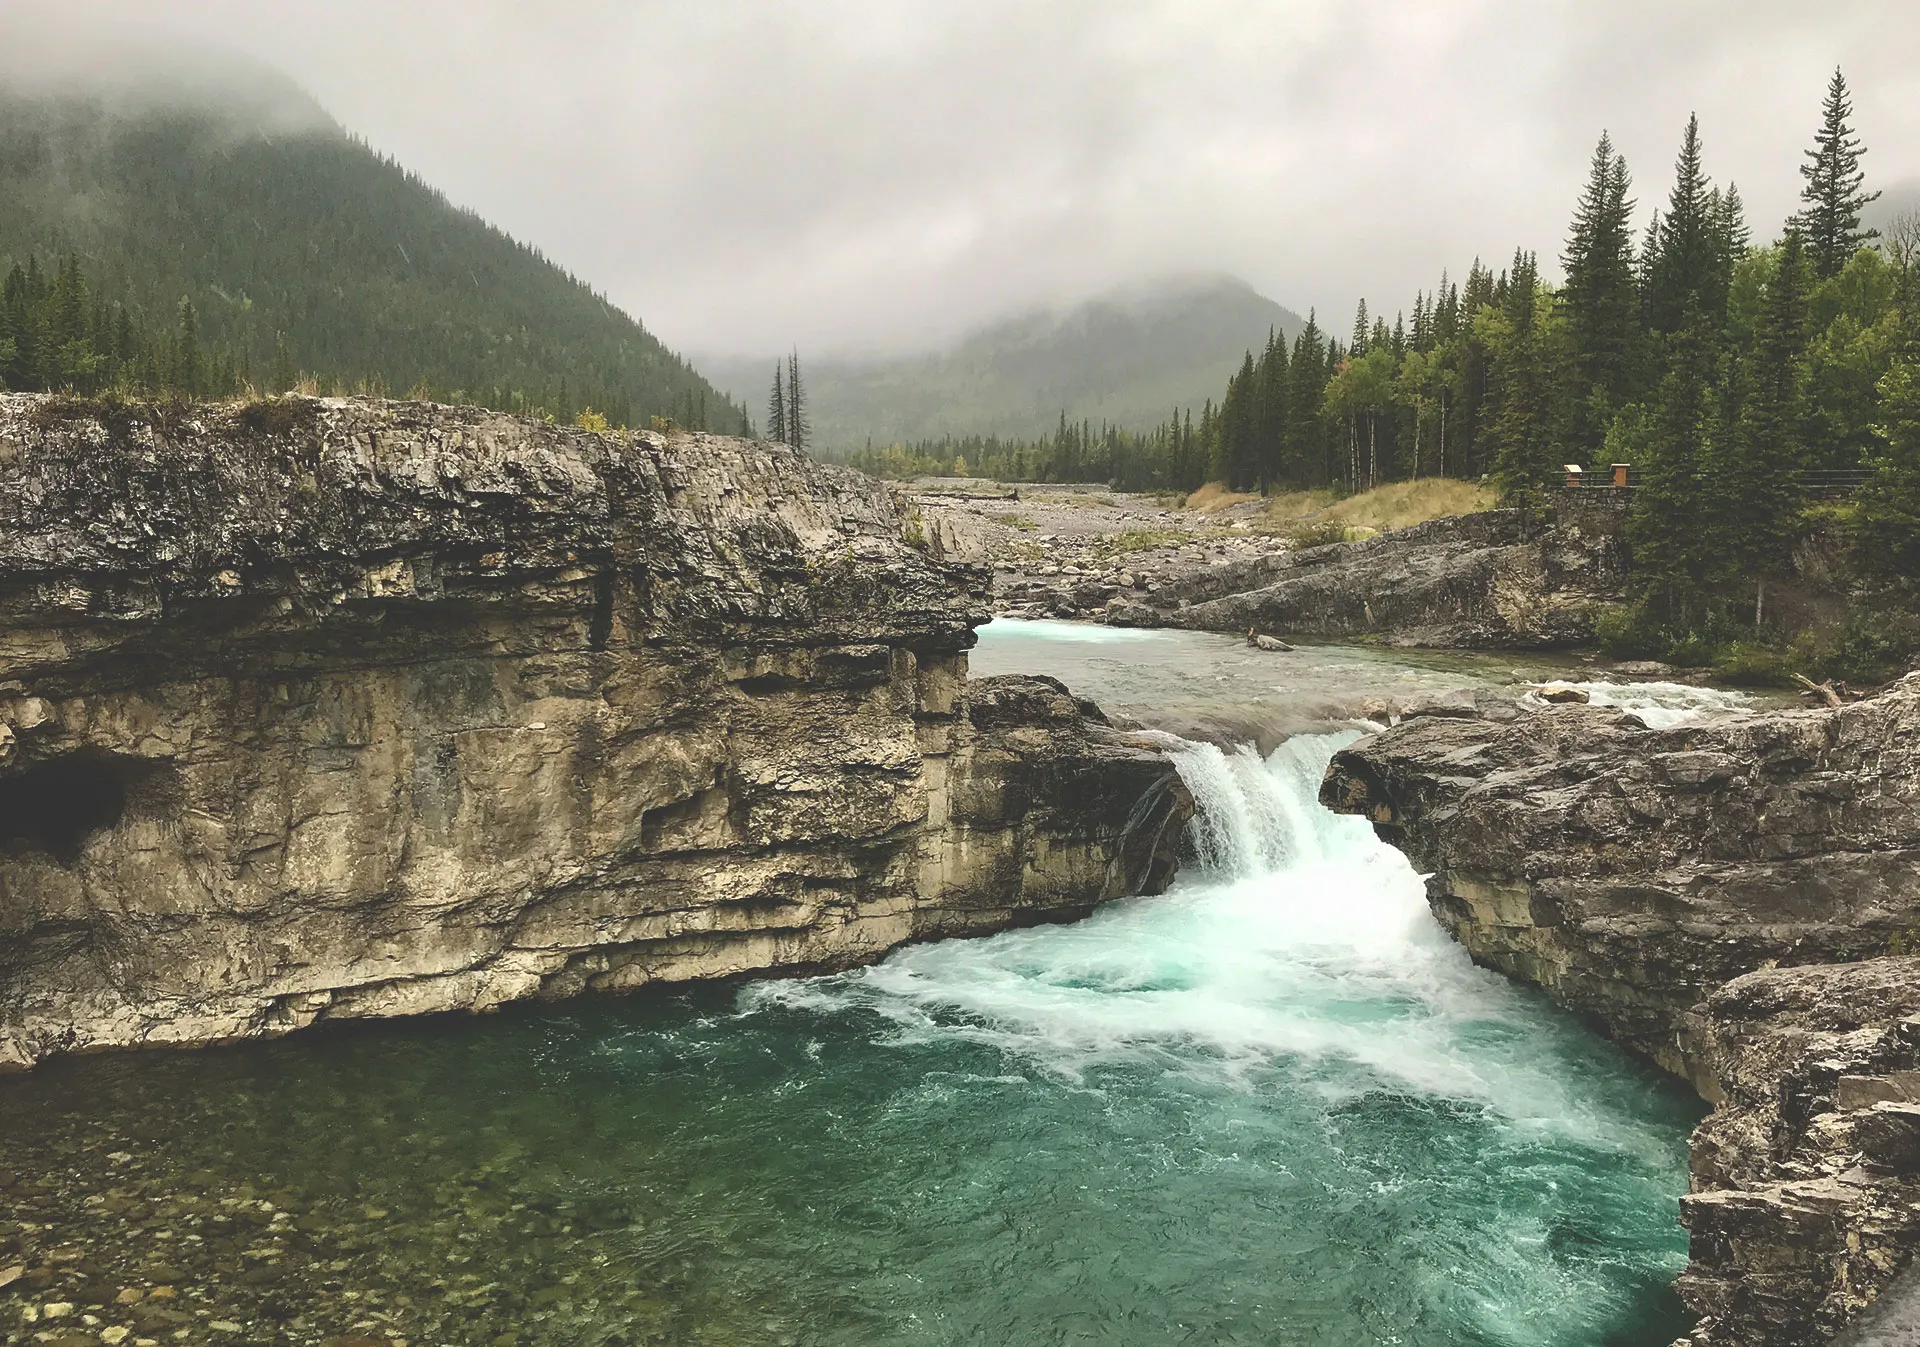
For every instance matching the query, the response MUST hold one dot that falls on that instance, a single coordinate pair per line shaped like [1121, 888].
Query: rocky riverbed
[1072, 551]
[1496, 579]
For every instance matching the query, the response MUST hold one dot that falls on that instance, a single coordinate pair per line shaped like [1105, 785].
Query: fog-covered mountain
[1128, 358]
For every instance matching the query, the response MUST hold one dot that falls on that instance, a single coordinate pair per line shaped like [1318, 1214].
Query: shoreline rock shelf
[1736, 899]
[337, 708]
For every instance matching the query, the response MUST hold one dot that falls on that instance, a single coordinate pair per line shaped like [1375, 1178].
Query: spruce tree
[1759, 461]
[1674, 554]
[1685, 265]
[777, 407]
[1271, 446]
[798, 427]
[1886, 543]
[1600, 295]
[284, 376]
[1834, 180]
[186, 351]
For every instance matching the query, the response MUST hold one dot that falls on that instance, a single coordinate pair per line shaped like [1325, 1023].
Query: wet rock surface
[335, 708]
[1732, 898]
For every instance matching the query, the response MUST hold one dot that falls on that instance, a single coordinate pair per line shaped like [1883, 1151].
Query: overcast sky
[746, 175]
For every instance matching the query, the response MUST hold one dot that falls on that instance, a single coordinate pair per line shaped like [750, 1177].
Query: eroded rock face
[1486, 580]
[341, 708]
[1806, 1177]
[1631, 871]
[1733, 899]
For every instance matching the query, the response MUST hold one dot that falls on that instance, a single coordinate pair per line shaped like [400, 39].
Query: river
[1275, 1105]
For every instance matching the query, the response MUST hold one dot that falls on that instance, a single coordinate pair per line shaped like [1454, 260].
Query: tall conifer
[1674, 556]
[1833, 190]
[1759, 457]
[1683, 271]
[777, 407]
[799, 429]
[1600, 294]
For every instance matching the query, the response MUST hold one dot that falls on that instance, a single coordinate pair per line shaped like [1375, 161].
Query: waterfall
[1255, 815]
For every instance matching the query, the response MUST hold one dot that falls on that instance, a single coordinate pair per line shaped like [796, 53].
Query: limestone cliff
[1631, 871]
[1806, 1177]
[344, 708]
[1731, 898]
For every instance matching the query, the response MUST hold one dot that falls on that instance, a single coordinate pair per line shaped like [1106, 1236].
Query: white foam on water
[1051, 629]
[1297, 943]
[1658, 706]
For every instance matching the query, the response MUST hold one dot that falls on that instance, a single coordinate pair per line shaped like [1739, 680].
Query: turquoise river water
[1275, 1105]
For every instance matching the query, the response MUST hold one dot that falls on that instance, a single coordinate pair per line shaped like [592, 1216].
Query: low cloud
[747, 175]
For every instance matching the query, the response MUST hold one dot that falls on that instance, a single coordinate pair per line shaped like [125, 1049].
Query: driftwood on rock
[1824, 692]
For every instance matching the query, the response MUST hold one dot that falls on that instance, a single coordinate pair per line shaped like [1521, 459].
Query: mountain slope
[1128, 359]
[281, 224]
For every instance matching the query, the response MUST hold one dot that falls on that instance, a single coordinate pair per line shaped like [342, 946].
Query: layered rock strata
[1490, 580]
[1734, 899]
[346, 708]
[1631, 871]
[1806, 1176]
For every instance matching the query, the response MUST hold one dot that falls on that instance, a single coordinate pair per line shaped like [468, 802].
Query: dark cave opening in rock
[56, 806]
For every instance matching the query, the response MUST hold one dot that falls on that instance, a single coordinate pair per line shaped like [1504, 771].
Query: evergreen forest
[192, 250]
[1760, 391]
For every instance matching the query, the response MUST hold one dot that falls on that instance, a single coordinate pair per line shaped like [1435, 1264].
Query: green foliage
[1317, 533]
[1887, 518]
[914, 530]
[1141, 540]
[1870, 644]
[202, 254]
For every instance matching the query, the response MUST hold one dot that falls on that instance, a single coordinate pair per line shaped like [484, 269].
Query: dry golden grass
[1395, 506]
[1291, 505]
[1215, 496]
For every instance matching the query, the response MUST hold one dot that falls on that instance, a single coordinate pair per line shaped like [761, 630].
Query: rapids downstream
[1275, 1105]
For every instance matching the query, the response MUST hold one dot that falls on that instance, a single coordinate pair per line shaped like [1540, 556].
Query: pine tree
[1684, 268]
[1674, 561]
[1600, 296]
[1886, 543]
[1271, 439]
[1833, 185]
[284, 375]
[1757, 452]
[777, 408]
[186, 351]
[798, 427]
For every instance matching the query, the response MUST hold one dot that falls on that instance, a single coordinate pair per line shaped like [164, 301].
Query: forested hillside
[1763, 392]
[1124, 359]
[196, 248]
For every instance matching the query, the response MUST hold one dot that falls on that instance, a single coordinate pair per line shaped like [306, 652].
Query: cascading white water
[1317, 1048]
[1657, 705]
[1255, 815]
